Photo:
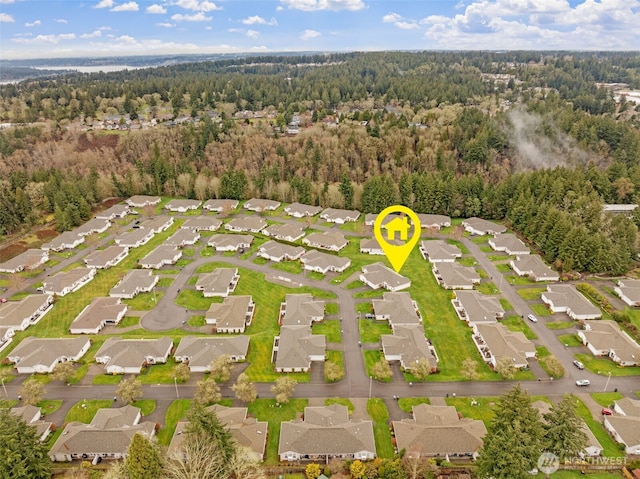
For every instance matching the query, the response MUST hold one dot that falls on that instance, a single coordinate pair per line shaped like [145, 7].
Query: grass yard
[354, 284]
[560, 325]
[196, 321]
[516, 323]
[406, 404]
[486, 248]
[194, 300]
[266, 410]
[578, 474]
[337, 358]
[468, 261]
[371, 357]
[364, 308]
[84, 410]
[293, 267]
[606, 399]
[107, 379]
[371, 330]
[260, 261]
[519, 280]
[129, 321]
[606, 366]
[175, 412]
[503, 268]
[165, 282]
[314, 275]
[358, 259]
[159, 373]
[530, 294]
[331, 308]
[144, 301]
[49, 406]
[487, 288]
[541, 310]
[506, 305]
[372, 293]
[484, 410]
[379, 414]
[344, 401]
[481, 239]
[610, 448]
[570, 340]
[147, 406]
[330, 328]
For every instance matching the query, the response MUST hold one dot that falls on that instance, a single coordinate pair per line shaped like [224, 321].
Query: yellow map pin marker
[398, 227]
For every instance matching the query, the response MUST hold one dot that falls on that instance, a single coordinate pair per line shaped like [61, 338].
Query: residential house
[370, 218]
[106, 258]
[107, 437]
[163, 254]
[202, 223]
[129, 356]
[300, 309]
[183, 237]
[182, 206]
[157, 224]
[474, 307]
[245, 430]
[285, 232]
[32, 416]
[66, 240]
[41, 355]
[95, 225]
[6, 336]
[338, 216]
[438, 431]
[221, 282]
[233, 315]
[455, 276]
[199, 351]
[98, 314]
[30, 259]
[114, 212]
[324, 263]
[295, 348]
[19, 315]
[230, 242]
[134, 238]
[140, 201]
[259, 205]
[397, 308]
[408, 345]
[252, 224]
[605, 338]
[629, 291]
[495, 341]
[625, 430]
[220, 206]
[531, 265]
[434, 222]
[627, 407]
[298, 210]
[478, 226]
[329, 240]
[278, 252]
[565, 298]
[64, 283]
[508, 243]
[378, 276]
[371, 246]
[439, 251]
[136, 281]
[325, 433]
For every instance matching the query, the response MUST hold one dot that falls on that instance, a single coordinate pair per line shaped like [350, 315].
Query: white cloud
[7, 1]
[198, 5]
[5, 17]
[196, 17]
[166, 25]
[309, 34]
[155, 8]
[33, 24]
[235, 30]
[126, 7]
[126, 39]
[44, 38]
[400, 22]
[316, 5]
[104, 4]
[93, 34]
[252, 34]
[258, 20]
[61, 20]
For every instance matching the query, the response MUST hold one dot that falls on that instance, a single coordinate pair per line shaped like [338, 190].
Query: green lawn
[379, 414]
[314, 275]
[331, 308]
[406, 404]
[610, 448]
[372, 293]
[503, 268]
[560, 325]
[358, 259]
[129, 321]
[519, 280]
[541, 310]
[196, 321]
[570, 340]
[354, 284]
[606, 399]
[294, 267]
[579, 475]
[486, 248]
[605, 366]
[175, 412]
[158, 373]
[529, 294]
[266, 410]
[107, 379]
[147, 406]
[85, 414]
[371, 330]
[506, 305]
[516, 323]
[343, 401]
[364, 308]
[49, 406]
[144, 301]
[487, 288]
[194, 300]
[330, 328]
[260, 261]
[371, 357]
[165, 282]
[337, 358]
[468, 261]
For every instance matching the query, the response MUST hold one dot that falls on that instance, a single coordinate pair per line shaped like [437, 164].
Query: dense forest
[540, 140]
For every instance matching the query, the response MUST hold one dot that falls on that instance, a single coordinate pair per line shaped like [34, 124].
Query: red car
[3, 300]
[606, 411]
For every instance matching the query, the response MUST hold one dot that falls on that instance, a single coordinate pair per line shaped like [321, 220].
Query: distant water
[91, 68]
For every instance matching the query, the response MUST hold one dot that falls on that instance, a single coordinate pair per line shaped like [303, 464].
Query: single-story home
[285, 232]
[629, 291]
[182, 206]
[324, 263]
[233, 315]
[252, 224]
[329, 240]
[230, 242]
[30, 259]
[19, 315]
[295, 348]
[140, 201]
[40, 355]
[439, 251]
[325, 433]
[278, 252]
[434, 222]
[98, 314]
[64, 283]
[129, 356]
[565, 298]
[397, 308]
[202, 223]
[495, 341]
[134, 238]
[259, 205]
[605, 338]
[199, 351]
[298, 210]
[532, 265]
[157, 224]
[408, 345]
[220, 206]
[95, 225]
[625, 430]
[455, 276]
[221, 282]
[136, 281]
[300, 309]
[106, 258]
[478, 226]
[114, 212]
[162, 255]
[66, 240]
[377, 276]
[32, 415]
[183, 237]
[474, 307]
[339, 216]
[508, 243]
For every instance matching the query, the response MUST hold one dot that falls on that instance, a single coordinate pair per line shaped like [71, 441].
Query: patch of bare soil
[96, 142]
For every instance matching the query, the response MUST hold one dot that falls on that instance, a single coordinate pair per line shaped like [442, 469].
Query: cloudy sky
[51, 28]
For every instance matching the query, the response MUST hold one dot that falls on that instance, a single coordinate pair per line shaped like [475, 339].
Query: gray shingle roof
[200, 350]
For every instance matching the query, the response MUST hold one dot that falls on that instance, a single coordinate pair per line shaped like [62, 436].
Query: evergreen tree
[346, 188]
[143, 459]
[563, 435]
[205, 423]
[22, 455]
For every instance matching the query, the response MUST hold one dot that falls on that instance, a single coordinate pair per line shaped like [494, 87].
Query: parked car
[582, 382]
[532, 318]
[606, 411]
[3, 300]
[578, 364]
[370, 316]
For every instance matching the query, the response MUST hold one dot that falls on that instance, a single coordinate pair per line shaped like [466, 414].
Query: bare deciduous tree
[284, 388]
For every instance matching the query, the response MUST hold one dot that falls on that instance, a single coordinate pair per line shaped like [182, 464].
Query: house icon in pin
[398, 225]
